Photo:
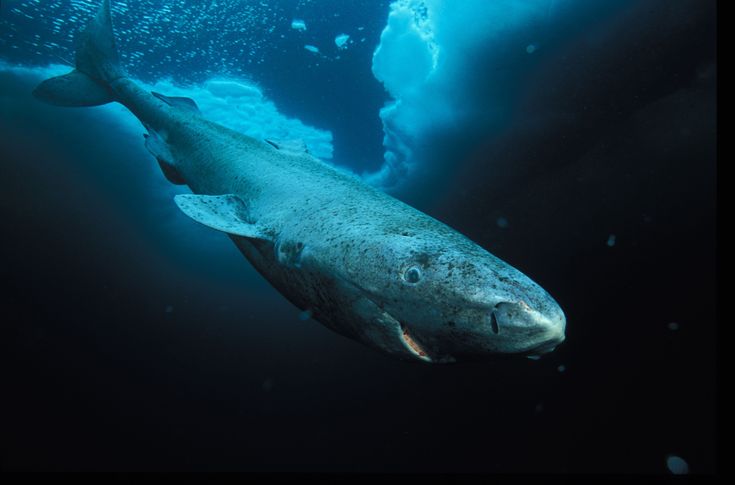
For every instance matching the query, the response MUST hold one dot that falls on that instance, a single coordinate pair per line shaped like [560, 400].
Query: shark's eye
[412, 275]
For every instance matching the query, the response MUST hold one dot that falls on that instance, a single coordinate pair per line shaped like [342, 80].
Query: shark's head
[439, 298]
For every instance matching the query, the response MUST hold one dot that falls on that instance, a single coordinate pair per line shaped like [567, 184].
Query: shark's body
[361, 262]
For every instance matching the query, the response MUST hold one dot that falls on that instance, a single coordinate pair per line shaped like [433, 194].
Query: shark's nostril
[494, 323]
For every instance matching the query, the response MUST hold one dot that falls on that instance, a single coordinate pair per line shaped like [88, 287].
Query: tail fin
[97, 63]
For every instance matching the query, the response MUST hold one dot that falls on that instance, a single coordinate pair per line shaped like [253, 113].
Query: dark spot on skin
[422, 258]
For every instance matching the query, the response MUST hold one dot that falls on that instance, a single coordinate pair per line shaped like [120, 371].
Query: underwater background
[573, 139]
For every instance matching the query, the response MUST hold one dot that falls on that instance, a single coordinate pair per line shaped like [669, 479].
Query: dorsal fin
[294, 146]
[178, 101]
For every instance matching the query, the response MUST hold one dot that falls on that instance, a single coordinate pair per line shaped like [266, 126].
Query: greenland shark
[359, 261]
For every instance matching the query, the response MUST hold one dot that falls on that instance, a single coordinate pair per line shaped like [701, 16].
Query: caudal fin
[97, 63]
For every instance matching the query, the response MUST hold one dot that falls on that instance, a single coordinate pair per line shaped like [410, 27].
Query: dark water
[134, 339]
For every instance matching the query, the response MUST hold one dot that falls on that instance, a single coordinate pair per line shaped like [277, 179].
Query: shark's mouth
[391, 331]
[413, 346]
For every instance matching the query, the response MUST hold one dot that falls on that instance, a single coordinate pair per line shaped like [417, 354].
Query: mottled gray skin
[363, 263]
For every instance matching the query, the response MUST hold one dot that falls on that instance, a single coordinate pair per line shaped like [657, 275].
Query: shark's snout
[541, 331]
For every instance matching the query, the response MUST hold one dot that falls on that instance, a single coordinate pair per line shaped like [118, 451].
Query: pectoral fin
[226, 213]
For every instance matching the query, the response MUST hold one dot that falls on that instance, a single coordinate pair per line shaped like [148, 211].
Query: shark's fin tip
[186, 104]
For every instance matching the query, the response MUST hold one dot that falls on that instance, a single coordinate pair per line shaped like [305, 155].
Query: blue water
[573, 139]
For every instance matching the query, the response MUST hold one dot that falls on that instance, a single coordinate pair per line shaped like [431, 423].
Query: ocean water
[573, 139]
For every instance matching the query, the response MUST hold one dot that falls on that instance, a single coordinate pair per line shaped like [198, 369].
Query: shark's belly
[322, 296]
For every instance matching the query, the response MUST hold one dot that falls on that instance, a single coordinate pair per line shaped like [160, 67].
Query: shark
[361, 262]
